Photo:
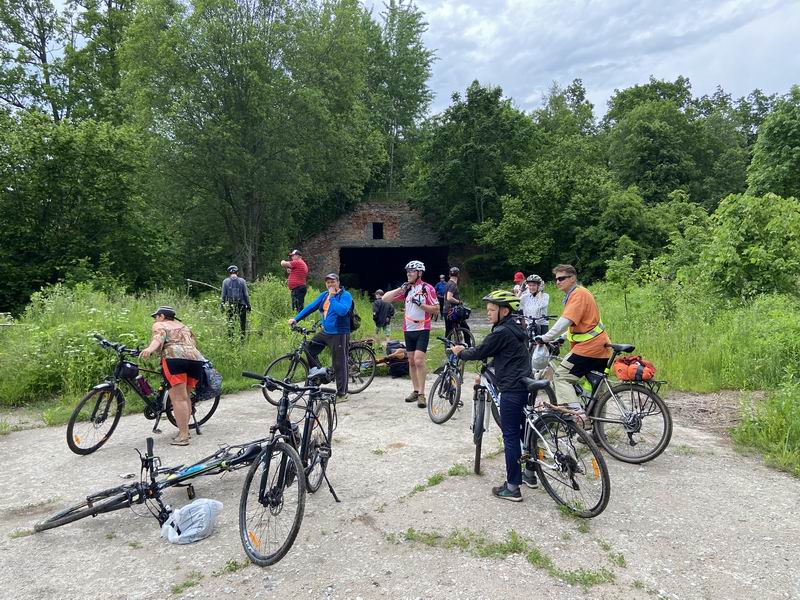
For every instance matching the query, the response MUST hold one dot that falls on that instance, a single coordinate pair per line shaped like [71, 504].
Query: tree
[678, 93]
[776, 155]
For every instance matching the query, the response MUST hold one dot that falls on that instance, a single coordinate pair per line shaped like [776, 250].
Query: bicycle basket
[459, 312]
[128, 370]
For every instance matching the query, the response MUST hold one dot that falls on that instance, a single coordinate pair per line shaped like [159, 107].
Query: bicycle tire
[206, 407]
[444, 396]
[576, 477]
[274, 468]
[361, 367]
[296, 371]
[479, 411]
[82, 430]
[618, 438]
[319, 446]
[102, 502]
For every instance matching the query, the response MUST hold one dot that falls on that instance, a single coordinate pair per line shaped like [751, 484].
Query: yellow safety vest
[577, 338]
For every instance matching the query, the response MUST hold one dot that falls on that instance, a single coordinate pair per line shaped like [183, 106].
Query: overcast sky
[525, 45]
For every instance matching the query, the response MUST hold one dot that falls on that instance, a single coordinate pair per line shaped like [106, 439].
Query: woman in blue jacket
[334, 304]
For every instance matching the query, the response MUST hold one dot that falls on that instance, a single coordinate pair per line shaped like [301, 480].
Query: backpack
[397, 368]
[355, 320]
[210, 384]
[458, 313]
[634, 368]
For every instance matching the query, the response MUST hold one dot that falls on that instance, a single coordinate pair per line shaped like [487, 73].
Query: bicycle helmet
[233, 269]
[415, 265]
[534, 279]
[454, 271]
[502, 298]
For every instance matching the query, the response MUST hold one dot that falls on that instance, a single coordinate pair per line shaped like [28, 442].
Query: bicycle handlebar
[116, 346]
[273, 384]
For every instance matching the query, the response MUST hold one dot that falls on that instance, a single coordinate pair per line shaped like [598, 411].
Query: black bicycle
[97, 414]
[445, 395]
[628, 418]
[273, 497]
[153, 480]
[293, 367]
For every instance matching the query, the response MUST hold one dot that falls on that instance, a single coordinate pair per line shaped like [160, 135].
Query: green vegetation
[233, 565]
[135, 545]
[459, 470]
[18, 533]
[192, 579]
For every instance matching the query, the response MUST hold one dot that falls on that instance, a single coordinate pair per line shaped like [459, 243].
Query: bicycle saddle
[623, 347]
[534, 385]
[247, 455]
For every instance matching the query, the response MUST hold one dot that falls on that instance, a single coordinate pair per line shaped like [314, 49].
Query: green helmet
[503, 298]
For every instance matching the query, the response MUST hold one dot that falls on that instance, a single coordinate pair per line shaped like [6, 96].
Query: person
[334, 305]
[585, 331]
[452, 299]
[298, 275]
[534, 303]
[506, 344]
[440, 291]
[235, 300]
[382, 313]
[420, 306]
[519, 278]
[181, 362]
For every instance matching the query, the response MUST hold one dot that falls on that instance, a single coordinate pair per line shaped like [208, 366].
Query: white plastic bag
[192, 522]
[540, 357]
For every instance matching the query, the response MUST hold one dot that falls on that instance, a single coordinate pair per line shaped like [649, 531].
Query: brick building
[370, 246]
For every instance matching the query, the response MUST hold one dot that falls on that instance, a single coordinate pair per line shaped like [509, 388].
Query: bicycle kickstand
[155, 425]
[330, 487]
[196, 424]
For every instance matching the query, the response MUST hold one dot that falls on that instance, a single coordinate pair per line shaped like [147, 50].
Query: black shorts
[417, 341]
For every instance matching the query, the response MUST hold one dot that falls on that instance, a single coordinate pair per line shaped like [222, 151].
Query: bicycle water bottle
[144, 385]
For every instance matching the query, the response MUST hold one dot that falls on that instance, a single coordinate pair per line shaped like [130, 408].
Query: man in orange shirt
[585, 331]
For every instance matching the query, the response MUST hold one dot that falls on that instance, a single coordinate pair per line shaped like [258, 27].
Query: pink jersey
[417, 319]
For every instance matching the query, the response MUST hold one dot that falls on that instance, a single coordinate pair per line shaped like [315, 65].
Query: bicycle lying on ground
[566, 460]
[628, 418]
[293, 367]
[97, 414]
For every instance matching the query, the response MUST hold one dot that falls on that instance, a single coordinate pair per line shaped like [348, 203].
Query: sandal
[179, 441]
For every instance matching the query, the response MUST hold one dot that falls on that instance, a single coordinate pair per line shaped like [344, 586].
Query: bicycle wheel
[319, 445]
[469, 338]
[360, 367]
[94, 420]
[634, 424]
[272, 504]
[202, 410]
[102, 502]
[478, 412]
[445, 396]
[455, 336]
[570, 466]
[288, 368]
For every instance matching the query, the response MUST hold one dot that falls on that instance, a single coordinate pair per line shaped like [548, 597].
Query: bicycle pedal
[324, 452]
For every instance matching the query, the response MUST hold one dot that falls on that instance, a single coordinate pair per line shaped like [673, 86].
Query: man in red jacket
[298, 274]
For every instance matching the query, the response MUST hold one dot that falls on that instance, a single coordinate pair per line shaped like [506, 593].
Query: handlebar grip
[149, 442]
[97, 336]
[252, 375]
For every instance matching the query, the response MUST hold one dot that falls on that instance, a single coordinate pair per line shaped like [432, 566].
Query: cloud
[525, 45]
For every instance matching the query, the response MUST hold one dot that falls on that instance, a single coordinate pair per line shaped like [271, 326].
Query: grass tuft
[192, 579]
[20, 533]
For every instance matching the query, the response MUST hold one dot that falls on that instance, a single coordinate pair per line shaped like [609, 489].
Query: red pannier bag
[634, 368]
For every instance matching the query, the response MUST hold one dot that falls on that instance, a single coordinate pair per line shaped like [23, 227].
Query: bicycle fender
[102, 386]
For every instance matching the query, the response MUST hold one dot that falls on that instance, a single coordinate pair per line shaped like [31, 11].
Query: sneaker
[530, 480]
[505, 494]
[412, 397]
[342, 398]
[421, 401]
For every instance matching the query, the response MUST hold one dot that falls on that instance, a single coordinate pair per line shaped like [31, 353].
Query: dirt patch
[717, 412]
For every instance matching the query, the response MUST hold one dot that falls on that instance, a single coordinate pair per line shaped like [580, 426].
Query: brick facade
[402, 226]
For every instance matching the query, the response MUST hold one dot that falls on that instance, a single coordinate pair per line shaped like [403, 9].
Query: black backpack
[355, 320]
[397, 368]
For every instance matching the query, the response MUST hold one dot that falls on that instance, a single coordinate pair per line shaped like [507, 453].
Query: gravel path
[699, 522]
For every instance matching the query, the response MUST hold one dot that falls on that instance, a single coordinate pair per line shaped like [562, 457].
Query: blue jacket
[440, 288]
[338, 317]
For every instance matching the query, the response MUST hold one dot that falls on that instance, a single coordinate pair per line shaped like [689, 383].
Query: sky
[525, 45]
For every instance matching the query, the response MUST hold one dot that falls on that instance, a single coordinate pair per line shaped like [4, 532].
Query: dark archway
[372, 268]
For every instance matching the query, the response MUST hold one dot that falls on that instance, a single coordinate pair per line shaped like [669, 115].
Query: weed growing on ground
[192, 579]
[111, 535]
[618, 559]
[135, 545]
[231, 566]
[5, 427]
[435, 479]
[378, 451]
[604, 545]
[684, 450]
[19, 533]
[458, 470]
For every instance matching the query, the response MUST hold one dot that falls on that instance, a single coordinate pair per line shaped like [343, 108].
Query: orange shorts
[180, 370]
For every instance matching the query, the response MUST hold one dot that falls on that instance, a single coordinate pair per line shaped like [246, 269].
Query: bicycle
[444, 397]
[286, 468]
[97, 414]
[617, 411]
[575, 476]
[293, 367]
[149, 489]
[459, 334]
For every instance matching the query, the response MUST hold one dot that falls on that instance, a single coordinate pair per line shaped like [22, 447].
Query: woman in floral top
[182, 364]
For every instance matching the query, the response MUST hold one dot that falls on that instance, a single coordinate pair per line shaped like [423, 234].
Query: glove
[417, 300]
[405, 287]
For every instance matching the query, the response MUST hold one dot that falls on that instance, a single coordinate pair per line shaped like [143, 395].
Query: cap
[167, 311]
[332, 276]
[293, 252]
[519, 276]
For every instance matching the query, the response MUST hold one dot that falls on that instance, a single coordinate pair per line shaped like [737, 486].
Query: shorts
[417, 341]
[181, 370]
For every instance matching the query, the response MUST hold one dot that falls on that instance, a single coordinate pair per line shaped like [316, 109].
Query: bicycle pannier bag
[634, 368]
[210, 385]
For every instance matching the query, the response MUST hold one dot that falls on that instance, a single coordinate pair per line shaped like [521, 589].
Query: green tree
[776, 154]
[678, 93]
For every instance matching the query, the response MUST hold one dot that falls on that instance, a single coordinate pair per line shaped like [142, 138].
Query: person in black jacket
[382, 313]
[506, 343]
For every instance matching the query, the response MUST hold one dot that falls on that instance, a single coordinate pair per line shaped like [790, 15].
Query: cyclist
[421, 305]
[585, 331]
[534, 302]
[334, 304]
[506, 343]
[452, 298]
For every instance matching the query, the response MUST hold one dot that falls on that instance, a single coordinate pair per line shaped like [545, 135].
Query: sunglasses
[563, 277]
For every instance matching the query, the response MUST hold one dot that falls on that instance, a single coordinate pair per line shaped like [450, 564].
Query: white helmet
[415, 265]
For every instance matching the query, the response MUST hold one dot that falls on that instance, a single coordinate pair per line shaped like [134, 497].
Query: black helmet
[454, 271]
[233, 269]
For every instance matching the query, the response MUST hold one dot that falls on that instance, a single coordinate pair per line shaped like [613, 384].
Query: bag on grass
[397, 368]
[192, 522]
[634, 368]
